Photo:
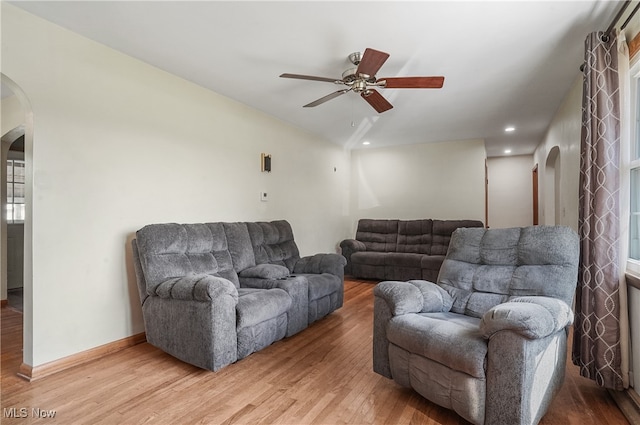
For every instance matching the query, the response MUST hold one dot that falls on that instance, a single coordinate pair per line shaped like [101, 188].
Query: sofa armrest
[321, 263]
[394, 298]
[353, 245]
[193, 318]
[531, 317]
[348, 247]
[195, 288]
[414, 296]
[400, 297]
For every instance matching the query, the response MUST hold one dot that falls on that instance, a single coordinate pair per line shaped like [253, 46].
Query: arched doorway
[552, 187]
[17, 123]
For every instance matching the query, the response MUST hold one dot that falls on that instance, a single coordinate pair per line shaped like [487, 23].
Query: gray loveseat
[400, 249]
[489, 338]
[213, 293]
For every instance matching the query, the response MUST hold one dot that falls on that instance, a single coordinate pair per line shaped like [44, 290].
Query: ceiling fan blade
[376, 100]
[412, 82]
[326, 98]
[310, 77]
[371, 62]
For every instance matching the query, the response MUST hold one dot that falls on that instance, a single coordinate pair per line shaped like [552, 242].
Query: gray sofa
[213, 293]
[399, 249]
[489, 338]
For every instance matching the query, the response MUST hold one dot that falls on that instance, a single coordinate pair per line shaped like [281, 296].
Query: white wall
[118, 144]
[510, 191]
[563, 133]
[442, 180]
[113, 144]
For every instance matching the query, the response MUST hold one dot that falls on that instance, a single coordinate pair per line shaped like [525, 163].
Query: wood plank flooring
[323, 375]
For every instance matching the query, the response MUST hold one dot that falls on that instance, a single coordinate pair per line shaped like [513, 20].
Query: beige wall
[510, 191]
[559, 179]
[442, 180]
[117, 144]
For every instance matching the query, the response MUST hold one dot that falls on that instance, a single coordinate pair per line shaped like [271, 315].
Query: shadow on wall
[135, 307]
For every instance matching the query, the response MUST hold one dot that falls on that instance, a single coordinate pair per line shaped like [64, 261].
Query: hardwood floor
[321, 376]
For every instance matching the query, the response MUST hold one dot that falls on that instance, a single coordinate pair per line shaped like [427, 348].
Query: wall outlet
[263, 196]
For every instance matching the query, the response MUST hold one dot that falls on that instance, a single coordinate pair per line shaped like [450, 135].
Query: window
[633, 168]
[15, 191]
[634, 225]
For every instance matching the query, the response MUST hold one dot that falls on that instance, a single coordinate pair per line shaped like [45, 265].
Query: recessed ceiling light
[510, 129]
[507, 151]
[366, 143]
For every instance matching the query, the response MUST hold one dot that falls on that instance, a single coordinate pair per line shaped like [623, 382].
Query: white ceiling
[505, 63]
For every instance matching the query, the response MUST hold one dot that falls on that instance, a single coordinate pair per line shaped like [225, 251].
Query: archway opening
[552, 187]
[17, 124]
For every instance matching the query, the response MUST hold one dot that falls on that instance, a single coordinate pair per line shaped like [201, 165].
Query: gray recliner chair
[489, 338]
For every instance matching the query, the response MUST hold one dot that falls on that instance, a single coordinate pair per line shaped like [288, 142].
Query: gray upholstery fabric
[273, 243]
[174, 250]
[239, 245]
[298, 289]
[450, 339]
[485, 268]
[266, 271]
[539, 368]
[261, 318]
[532, 317]
[400, 249]
[202, 333]
[213, 293]
[321, 263]
[488, 339]
[442, 385]
[326, 294]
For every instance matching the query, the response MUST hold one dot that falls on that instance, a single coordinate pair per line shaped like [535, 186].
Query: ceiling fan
[362, 80]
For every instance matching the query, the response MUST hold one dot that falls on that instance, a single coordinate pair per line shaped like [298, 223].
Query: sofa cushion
[415, 236]
[265, 271]
[175, 250]
[273, 243]
[403, 259]
[258, 305]
[239, 244]
[485, 268]
[450, 339]
[442, 231]
[378, 235]
[431, 262]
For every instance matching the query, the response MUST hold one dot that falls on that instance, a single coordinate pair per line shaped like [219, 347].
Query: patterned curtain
[596, 341]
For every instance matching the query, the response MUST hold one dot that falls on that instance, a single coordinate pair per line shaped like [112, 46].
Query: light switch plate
[263, 196]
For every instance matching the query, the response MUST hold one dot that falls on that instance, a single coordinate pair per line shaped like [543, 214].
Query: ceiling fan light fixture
[363, 76]
[355, 58]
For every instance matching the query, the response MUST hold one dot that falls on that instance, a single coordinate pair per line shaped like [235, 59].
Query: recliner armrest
[414, 296]
[196, 288]
[321, 263]
[532, 317]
